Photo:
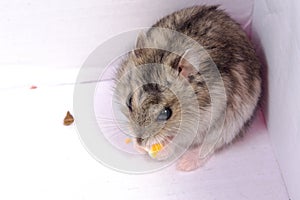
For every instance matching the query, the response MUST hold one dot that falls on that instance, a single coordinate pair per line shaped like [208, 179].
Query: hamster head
[151, 85]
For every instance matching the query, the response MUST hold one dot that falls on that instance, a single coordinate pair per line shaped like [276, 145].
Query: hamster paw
[139, 149]
[163, 154]
[189, 161]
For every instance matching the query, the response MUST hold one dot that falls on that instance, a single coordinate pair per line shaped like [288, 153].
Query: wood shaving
[69, 119]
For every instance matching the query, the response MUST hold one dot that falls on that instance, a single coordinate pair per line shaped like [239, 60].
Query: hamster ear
[140, 43]
[185, 68]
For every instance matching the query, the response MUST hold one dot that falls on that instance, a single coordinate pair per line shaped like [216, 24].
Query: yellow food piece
[127, 140]
[155, 148]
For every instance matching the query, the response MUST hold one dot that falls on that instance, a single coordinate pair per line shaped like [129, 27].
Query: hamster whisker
[122, 126]
[118, 102]
[115, 127]
[110, 119]
[111, 131]
[111, 122]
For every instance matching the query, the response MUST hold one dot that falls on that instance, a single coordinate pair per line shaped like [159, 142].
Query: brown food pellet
[68, 120]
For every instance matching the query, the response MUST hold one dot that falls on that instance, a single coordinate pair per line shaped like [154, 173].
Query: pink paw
[164, 154]
[139, 148]
[189, 161]
[188, 164]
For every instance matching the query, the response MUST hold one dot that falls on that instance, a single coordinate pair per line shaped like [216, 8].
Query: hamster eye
[165, 114]
[129, 103]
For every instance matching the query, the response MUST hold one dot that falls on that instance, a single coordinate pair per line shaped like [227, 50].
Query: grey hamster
[151, 89]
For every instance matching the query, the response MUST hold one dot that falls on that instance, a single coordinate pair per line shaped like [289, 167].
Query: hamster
[150, 82]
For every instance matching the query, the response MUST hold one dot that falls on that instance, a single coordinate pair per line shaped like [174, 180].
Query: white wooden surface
[42, 159]
[276, 30]
[62, 33]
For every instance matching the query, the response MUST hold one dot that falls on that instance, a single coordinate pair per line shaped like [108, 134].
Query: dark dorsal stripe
[152, 88]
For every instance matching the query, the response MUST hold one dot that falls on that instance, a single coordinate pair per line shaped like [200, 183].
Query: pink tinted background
[276, 33]
[46, 42]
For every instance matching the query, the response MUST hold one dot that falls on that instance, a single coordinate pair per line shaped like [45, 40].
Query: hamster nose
[139, 140]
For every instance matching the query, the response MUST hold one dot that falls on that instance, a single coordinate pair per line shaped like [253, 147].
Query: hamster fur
[153, 110]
